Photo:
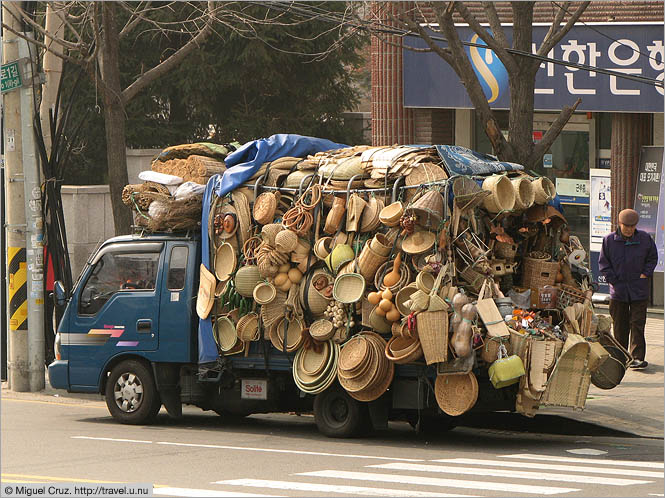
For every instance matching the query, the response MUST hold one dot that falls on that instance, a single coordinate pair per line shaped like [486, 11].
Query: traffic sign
[11, 77]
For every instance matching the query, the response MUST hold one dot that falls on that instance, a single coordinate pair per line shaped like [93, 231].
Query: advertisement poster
[660, 228]
[600, 211]
[647, 190]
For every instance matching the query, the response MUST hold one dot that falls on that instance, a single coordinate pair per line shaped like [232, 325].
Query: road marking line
[294, 452]
[546, 466]
[330, 488]
[205, 493]
[89, 404]
[437, 481]
[113, 439]
[242, 448]
[610, 481]
[587, 451]
[626, 463]
[63, 479]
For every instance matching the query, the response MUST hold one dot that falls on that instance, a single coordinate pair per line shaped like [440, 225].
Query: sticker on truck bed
[254, 389]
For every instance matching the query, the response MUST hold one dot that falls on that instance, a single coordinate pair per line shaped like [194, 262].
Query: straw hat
[264, 293]
[206, 294]
[225, 261]
[456, 394]
[418, 242]
[264, 208]
[321, 330]
[294, 178]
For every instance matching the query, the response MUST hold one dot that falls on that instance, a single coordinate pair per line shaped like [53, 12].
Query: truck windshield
[118, 272]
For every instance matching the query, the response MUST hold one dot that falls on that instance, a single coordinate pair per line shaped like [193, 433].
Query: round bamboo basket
[503, 194]
[456, 394]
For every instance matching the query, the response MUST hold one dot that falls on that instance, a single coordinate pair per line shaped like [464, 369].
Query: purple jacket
[623, 260]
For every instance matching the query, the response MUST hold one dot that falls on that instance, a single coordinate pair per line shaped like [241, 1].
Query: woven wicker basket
[473, 278]
[538, 273]
[433, 333]
[503, 194]
[569, 383]
[369, 262]
[456, 394]
[246, 279]
[569, 295]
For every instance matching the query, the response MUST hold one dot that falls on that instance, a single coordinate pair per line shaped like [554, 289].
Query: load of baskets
[359, 261]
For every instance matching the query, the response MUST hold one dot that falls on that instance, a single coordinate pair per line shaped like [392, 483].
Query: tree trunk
[114, 120]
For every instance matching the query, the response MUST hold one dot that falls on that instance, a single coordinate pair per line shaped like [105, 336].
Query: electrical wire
[376, 27]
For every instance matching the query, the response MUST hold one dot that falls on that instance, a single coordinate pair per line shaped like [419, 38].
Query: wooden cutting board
[492, 319]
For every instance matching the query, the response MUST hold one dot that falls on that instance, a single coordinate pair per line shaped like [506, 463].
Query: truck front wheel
[339, 415]
[131, 395]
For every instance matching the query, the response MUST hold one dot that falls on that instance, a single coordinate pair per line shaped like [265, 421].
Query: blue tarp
[242, 164]
[462, 161]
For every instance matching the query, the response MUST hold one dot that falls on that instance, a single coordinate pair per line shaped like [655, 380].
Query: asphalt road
[63, 440]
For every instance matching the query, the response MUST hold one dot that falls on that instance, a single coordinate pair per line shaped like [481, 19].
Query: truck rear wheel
[339, 415]
[131, 396]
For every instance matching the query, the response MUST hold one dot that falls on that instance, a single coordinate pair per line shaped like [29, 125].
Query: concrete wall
[88, 212]
[88, 221]
[139, 160]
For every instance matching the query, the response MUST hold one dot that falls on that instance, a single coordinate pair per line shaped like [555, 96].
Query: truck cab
[132, 306]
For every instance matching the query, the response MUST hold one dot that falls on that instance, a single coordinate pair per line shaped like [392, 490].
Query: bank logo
[491, 73]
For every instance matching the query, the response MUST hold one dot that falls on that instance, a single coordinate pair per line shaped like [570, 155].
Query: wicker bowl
[264, 293]
[349, 288]
[322, 330]
[391, 214]
[456, 394]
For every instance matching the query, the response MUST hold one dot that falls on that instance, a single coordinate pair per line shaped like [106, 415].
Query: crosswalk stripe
[547, 466]
[625, 463]
[330, 488]
[516, 474]
[204, 493]
[437, 481]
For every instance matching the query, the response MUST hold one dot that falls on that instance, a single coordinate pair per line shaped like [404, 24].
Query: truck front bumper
[58, 374]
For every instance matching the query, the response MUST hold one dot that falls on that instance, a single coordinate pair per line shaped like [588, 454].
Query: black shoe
[639, 364]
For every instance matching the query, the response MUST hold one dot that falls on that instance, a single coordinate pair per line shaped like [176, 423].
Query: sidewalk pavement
[635, 406]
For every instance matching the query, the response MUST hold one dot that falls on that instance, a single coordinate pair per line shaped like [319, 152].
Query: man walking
[627, 260]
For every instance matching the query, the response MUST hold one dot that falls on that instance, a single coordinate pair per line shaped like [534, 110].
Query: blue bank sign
[635, 49]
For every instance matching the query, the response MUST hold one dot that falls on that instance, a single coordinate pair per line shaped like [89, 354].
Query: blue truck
[137, 344]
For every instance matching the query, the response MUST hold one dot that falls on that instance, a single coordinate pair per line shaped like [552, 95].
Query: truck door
[116, 310]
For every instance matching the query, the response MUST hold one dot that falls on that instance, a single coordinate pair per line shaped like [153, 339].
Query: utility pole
[24, 221]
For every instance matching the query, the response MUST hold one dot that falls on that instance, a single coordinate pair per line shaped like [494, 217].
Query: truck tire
[131, 395]
[339, 415]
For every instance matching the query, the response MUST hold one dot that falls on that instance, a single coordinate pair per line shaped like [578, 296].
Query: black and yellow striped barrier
[18, 288]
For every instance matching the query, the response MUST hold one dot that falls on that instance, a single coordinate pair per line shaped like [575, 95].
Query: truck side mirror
[59, 293]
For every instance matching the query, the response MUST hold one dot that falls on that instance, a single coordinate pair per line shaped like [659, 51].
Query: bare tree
[521, 69]
[91, 40]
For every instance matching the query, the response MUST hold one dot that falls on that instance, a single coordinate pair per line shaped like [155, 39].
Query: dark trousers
[629, 320]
